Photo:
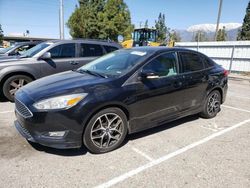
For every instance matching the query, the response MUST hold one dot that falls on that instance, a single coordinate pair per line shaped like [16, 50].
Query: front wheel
[105, 131]
[13, 83]
[212, 105]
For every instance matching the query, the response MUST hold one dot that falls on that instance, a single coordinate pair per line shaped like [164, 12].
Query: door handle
[74, 62]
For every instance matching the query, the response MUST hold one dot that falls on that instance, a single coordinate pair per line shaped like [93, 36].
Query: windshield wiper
[91, 72]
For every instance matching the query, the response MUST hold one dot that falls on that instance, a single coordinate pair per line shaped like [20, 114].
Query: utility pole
[61, 20]
[218, 20]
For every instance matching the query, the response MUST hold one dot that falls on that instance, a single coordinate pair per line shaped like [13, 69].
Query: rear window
[110, 48]
[90, 50]
[191, 62]
[207, 62]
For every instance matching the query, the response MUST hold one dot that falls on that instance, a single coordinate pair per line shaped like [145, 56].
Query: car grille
[22, 109]
[26, 132]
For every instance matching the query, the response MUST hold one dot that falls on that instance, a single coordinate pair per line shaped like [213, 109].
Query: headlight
[61, 102]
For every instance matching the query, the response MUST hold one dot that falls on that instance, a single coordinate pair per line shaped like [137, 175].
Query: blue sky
[40, 17]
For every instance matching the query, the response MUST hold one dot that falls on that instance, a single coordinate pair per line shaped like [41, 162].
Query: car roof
[159, 49]
[93, 41]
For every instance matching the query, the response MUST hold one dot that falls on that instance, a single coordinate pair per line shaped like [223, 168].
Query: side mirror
[148, 75]
[46, 55]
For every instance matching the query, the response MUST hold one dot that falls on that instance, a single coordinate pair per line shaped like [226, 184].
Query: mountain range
[188, 34]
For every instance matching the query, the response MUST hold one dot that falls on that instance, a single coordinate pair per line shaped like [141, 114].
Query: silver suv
[49, 58]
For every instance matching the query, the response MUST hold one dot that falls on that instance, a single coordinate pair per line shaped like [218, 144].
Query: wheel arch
[221, 93]
[8, 75]
[105, 106]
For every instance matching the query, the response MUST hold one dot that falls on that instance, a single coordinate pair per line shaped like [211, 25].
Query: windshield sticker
[138, 53]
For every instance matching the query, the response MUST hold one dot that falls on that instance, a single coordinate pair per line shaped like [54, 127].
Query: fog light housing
[57, 134]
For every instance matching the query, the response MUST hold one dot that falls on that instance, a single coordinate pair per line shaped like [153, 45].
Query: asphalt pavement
[190, 152]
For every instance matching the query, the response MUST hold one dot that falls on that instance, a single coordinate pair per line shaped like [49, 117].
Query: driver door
[159, 97]
[63, 58]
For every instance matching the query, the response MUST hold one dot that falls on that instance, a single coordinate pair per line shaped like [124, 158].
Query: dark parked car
[121, 93]
[49, 58]
[17, 49]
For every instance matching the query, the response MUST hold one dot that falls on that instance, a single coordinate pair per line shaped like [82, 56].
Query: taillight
[226, 72]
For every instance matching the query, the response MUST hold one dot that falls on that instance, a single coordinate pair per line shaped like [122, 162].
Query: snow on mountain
[212, 27]
[209, 29]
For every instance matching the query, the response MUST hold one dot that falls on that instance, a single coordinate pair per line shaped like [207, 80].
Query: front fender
[18, 69]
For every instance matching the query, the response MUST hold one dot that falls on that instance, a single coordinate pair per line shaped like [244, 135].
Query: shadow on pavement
[162, 127]
[83, 150]
[2, 99]
[61, 152]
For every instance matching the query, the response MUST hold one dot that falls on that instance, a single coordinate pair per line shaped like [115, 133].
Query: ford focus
[123, 92]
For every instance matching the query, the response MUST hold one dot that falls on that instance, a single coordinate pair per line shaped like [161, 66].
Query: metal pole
[231, 60]
[218, 20]
[61, 20]
[198, 40]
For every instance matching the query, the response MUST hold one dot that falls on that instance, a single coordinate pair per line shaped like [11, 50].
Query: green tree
[78, 21]
[200, 36]
[1, 34]
[116, 20]
[100, 19]
[174, 36]
[222, 35]
[244, 32]
[161, 28]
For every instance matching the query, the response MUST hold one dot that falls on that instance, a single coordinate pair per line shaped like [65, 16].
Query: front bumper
[46, 141]
[37, 126]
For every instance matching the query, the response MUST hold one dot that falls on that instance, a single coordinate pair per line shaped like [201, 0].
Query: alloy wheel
[16, 84]
[107, 130]
[213, 105]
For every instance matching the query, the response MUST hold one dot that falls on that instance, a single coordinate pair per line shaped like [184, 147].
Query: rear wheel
[105, 131]
[13, 83]
[212, 105]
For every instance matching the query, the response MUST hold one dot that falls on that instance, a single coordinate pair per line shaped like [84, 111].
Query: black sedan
[118, 94]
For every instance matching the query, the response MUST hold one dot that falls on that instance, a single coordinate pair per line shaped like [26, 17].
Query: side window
[110, 48]
[23, 49]
[55, 52]
[164, 65]
[207, 62]
[191, 62]
[63, 51]
[90, 50]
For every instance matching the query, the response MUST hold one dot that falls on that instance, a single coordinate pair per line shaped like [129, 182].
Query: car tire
[212, 105]
[105, 131]
[13, 83]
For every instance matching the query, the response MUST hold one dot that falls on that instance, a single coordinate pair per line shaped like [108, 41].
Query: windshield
[4, 50]
[116, 63]
[145, 35]
[33, 51]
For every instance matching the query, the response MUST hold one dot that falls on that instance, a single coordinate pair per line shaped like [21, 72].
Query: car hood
[6, 59]
[63, 84]
[3, 57]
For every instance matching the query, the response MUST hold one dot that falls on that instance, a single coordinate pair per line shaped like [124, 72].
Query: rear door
[88, 52]
[63, 58]
[195, 79]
